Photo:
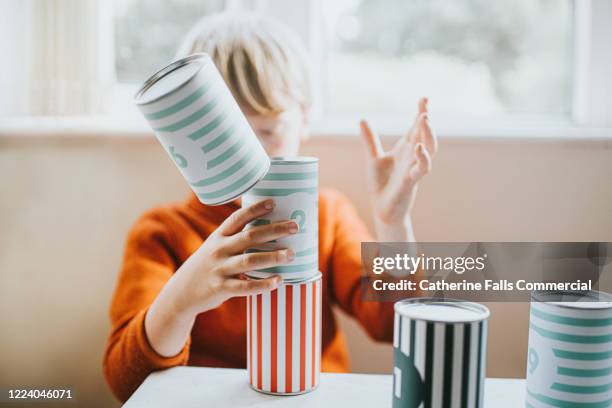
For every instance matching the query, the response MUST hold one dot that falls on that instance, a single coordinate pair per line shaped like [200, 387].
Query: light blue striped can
[201, 127]
[293, 184]
[569, 361]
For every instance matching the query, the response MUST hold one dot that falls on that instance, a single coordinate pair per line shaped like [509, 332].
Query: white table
[219, 387]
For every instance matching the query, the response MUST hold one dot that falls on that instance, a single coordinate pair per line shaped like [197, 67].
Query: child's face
[281, 134]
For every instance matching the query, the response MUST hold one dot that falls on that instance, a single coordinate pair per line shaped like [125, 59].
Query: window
[148, 33]
[513, 62]
[471, 57]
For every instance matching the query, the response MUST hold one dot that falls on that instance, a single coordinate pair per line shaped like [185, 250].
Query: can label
[293, 186]
[438, 364]
[569, 361]
[284, 338]
[202, 128]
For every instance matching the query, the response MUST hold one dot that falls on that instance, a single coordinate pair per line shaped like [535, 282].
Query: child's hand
[212, 275]
[394, 175]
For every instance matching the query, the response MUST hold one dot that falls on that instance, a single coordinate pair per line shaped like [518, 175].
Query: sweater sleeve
[147, 265]
[349, 232]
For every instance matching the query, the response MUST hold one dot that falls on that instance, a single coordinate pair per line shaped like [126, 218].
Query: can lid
[293, 159]
[575, 299]
[442, 310]
[170, 78]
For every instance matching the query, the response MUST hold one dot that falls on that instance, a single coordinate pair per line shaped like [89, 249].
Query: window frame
[592, 98]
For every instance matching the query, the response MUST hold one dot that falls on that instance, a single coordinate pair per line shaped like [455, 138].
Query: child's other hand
[213, 273]
[394, 175]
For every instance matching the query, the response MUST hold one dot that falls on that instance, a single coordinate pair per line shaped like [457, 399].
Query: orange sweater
[163, 238]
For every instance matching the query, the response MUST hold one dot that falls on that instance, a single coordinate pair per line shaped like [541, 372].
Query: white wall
[491, 190]
[67, 203]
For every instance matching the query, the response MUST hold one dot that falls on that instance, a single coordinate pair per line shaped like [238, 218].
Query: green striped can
[202, 128]
[293, 184]
[439, 353]
[569, 362]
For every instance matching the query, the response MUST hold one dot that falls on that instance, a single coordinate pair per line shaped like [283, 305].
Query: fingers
[258, 235]
[422, 164]
[412, 134]
[241, 287]
[426, 134]
[371, 139]
[237, 221]
[423, 102]
[256, 260]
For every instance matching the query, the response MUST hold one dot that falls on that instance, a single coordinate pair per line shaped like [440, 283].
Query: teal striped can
[293, 184]
[569, 361]
[201, 127]
[439, 353]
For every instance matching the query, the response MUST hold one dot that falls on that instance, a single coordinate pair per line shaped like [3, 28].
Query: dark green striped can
[439, 353]
[293, 184]
[569, 361]
[202, 128]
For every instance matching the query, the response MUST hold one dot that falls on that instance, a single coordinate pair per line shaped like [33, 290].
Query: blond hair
[263, 62]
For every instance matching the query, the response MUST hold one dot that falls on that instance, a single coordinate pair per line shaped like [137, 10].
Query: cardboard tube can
[284, 338]
[293, 184]
[203, 130]
[439, 353]
[569, 361]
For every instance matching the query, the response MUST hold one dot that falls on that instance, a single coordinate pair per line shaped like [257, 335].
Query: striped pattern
[205, 133]
[293, 185]
[438, 365]
[284, 338]
[570, 357]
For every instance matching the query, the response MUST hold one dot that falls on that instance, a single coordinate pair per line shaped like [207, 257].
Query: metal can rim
[537, 297]
[161, 73]
[283, 394]
[293, 159]
[482, 309]
[313, 278]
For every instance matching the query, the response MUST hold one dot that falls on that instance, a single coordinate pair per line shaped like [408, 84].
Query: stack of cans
[284, 326]
[439, 353]
[569, 362]
[202, 128]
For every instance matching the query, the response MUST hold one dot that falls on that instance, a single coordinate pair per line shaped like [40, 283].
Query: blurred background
[521, 98]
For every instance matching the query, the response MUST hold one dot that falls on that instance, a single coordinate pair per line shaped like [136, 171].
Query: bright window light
[471, 57]
[148, 33]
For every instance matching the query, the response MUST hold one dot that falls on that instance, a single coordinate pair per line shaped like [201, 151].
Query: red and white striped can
[284, 338]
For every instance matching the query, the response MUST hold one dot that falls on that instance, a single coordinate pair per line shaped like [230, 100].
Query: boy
[179, 297]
